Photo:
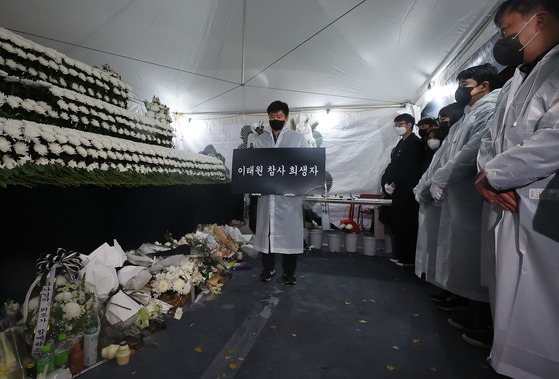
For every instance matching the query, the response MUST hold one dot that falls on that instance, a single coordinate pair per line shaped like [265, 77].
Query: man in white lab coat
[279, 218]
[519, 160]
[458, 262]
[429, 210]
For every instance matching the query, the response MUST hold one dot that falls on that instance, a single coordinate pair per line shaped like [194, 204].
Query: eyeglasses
[400, 124]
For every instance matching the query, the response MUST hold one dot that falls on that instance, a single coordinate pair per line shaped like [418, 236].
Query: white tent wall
[357, 143]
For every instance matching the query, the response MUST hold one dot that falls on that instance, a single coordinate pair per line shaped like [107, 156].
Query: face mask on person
[444, 124]
[463, 95]
[508, 51]
[433, 144]
[423, 133]
[444, 127]
[277, 124]
[400, 130]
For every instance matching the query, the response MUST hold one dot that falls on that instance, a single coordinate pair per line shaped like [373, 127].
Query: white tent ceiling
[207, 56]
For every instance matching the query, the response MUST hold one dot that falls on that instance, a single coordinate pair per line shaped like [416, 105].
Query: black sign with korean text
[278, 171]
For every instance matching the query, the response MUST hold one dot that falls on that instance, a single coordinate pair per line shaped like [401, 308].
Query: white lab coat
[426, 247]
[491, 213]
[524, 146]
[429, 217]
[279, 218]
[458, 267]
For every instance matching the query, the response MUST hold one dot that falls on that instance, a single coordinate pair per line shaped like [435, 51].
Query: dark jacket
[406, 166]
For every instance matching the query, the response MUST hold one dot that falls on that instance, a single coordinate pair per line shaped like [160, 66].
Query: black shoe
[468, 324]
[454, 304]
[441, 296]
[266, 275]
[483, 340]
[289, 278]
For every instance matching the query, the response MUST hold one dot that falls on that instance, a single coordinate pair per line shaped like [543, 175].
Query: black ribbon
[70, 261]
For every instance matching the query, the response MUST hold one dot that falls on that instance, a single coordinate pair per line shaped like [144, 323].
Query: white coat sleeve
[486, 151]
[536, 158]
[487, 146]
[463, 163]
[421, 190]
[425, 193]
[420, 184]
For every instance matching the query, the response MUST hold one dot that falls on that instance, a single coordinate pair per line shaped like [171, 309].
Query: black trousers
[404, 227]
[288, 262]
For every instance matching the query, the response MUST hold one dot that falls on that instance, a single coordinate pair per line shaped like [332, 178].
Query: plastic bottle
[61, 352]
[75, 360]
[90, 342]
[30, 370]
[240, 253]
[123, 353]
[208, 270]
[46, 358]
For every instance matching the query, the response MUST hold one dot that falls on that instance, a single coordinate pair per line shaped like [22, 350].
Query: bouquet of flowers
[208, 253]
[178, 279]
[73, 307]
[198, 244]
[347, 228]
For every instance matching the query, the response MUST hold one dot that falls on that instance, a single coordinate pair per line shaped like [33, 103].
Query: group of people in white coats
[487, 202]
[449, 251]
[490, 197]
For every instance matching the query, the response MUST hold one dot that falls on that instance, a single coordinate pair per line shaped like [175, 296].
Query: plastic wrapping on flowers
[73, 308]
[174, 279]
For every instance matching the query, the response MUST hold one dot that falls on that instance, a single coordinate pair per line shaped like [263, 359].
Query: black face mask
[424, 133]
[509, 51]
[444, 127]
[277, 124]
[444, 124]
[463, 95]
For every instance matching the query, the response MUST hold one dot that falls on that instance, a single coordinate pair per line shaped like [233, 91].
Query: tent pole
[243, 43]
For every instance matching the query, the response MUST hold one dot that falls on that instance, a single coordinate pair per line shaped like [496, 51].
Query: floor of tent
[349, 315]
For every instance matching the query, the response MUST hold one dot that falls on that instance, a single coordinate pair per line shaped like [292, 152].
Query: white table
[360, 201]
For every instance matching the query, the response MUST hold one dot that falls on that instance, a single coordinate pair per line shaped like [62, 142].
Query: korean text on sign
[251, 170]
[303, 170]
